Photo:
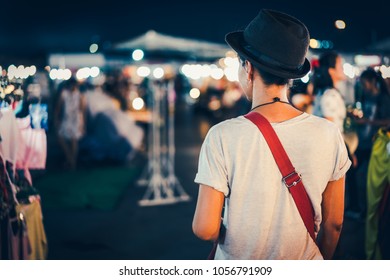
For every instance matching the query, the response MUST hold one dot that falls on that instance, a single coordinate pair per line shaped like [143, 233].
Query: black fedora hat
[274, 42]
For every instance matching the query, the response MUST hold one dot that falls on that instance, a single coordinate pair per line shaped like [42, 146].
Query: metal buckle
[295, 182]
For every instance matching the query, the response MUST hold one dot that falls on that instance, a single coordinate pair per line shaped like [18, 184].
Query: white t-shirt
[332, 105]
[261, 217]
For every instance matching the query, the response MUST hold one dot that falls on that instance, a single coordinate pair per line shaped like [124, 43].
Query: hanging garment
[19, 245]
[14, 243]
[35, 151]
[12, 142]
[39, 116]
[378, 177]
[36, 233]
[14, 240]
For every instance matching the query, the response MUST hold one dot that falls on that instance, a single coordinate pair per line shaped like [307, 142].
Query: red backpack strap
[290, 177]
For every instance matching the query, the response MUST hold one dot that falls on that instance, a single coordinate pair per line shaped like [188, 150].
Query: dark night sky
[36, 27]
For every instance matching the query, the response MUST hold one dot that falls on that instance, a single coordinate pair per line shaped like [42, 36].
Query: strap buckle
[292, 179]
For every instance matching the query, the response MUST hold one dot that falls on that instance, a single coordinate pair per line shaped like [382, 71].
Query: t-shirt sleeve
[211, 167]
[342, 161]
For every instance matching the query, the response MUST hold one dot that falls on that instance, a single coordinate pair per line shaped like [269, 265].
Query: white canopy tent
[153, 41]
[76, 60]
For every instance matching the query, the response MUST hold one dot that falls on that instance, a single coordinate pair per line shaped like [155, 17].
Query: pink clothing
[24, 147]
[12, 143]
[35, 153]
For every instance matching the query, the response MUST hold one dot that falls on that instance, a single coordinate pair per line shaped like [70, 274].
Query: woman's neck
[336, 84]
[278, 111]
[262, 94]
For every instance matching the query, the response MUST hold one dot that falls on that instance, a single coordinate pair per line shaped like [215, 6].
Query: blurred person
[210, 100]
[69, 119]
[330, 87]
[373, 95]
[302, 102]
[182, 86]
[118, 87]
[328, 102]
[375, 104]
[377, 238]
[237, 169]
[301, 96]
[375, 133]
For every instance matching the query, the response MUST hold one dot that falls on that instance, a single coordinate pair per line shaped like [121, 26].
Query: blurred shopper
[237, 168]
[118, 87]
[329, 104]
[301, 96]
[328, 100]
[69, 119]
[375, 102]
[375, 135]
[377, 238]
[374, 98]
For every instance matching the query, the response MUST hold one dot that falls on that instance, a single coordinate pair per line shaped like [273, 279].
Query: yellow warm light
[138, 103]
[143, 71]
[158, 73]
[194, 93]
[314, 44]
[9, 89]
[340, 24]
[231, 54]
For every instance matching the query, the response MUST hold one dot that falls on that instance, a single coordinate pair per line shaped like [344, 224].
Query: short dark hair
[268, 78]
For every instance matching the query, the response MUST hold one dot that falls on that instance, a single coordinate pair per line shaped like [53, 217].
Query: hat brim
[236, 42]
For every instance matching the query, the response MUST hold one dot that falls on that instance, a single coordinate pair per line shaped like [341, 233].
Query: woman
[71, 126]
[236, 167]
[328, 102]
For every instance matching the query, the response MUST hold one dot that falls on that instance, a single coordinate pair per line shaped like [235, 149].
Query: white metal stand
[163, 187]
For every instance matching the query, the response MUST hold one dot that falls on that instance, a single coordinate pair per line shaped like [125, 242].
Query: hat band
[270, 62]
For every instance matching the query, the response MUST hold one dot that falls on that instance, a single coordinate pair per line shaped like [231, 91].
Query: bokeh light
[138, 55]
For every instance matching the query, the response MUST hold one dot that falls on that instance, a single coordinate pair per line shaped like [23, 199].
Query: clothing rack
[22, 234]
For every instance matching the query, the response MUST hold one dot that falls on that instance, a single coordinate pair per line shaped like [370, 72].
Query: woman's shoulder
[331, 92]
[322, 127]
[242, 122]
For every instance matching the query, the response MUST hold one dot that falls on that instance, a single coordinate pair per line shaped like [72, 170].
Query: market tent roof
[76, 60]
[153, 41]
